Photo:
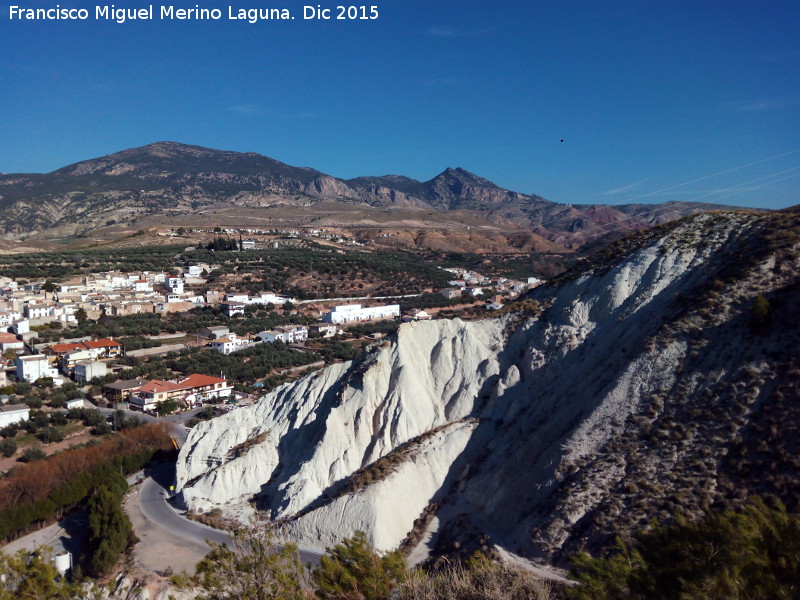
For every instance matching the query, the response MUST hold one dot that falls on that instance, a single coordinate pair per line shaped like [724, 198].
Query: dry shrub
[479, 580]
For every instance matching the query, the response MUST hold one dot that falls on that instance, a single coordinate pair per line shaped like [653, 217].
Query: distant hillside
[176, 180]
[660, 376]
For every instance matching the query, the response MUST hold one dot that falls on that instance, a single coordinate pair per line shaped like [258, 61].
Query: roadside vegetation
[110, 530]
[44, 490]
[256, 566]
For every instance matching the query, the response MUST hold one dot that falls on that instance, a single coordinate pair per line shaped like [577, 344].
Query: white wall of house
[20, 327]
[270, 336]
[354, 312]
[14, 413]
[84, 371]
[31, 368]
[175, 285]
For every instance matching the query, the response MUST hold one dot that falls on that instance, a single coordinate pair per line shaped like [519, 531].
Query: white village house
[36, 366]
[13, 413]
[349, 313]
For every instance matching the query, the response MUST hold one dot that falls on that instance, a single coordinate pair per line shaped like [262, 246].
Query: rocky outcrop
[635, 388]
[314, 434]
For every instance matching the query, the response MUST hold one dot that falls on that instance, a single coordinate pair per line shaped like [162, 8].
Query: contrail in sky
[723, 193]
[739, 168]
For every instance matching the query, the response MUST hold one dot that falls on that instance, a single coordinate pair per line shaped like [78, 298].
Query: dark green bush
[8, 448]
[753, 553]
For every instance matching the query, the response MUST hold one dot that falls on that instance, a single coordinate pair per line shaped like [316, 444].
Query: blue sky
[656, 100]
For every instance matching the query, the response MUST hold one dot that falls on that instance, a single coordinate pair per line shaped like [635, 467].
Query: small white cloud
[767, 104]
[623, 189]
[443, 32]
[250, 109]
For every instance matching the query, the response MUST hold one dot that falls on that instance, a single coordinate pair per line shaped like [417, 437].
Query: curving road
[153, 503]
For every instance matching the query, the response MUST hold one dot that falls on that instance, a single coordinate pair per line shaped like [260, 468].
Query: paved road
[153, 503]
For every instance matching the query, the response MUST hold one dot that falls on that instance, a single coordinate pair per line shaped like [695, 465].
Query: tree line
[43, 490]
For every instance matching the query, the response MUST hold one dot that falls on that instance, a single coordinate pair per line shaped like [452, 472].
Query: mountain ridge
[170, 178]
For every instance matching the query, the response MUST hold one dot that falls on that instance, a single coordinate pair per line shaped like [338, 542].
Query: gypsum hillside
[632, 388]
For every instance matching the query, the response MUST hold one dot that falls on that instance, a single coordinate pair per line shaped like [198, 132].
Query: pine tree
[353, 570]
[110, 529]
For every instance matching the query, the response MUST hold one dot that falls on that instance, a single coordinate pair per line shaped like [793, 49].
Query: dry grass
[480, 580]
[214, 518]
[241, 449]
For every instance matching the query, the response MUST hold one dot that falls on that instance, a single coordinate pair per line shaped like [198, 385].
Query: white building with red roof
[205, 388]
[105, 348]
[147, 397]
[190, 391]
[9, 341]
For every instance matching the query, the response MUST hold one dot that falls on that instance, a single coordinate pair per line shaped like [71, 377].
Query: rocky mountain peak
[168, 176]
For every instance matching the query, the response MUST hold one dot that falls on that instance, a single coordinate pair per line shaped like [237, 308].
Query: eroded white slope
[385, 508]
[547, 392]
[309, 435]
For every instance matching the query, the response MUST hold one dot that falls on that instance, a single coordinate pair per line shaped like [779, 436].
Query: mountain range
[163, 182]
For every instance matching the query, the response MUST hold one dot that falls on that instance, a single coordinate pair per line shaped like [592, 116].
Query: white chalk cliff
[529, 428]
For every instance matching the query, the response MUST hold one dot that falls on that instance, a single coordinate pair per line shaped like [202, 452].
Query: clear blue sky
[655, 100]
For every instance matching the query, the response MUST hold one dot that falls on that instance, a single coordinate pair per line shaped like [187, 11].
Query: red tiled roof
[156, 386]
[6, 338]
[104, 343]
[196, 380]
[62, 348]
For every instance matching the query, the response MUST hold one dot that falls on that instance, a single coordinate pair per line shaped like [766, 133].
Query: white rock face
[540, 395]
[387, 508]
[316, 432]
